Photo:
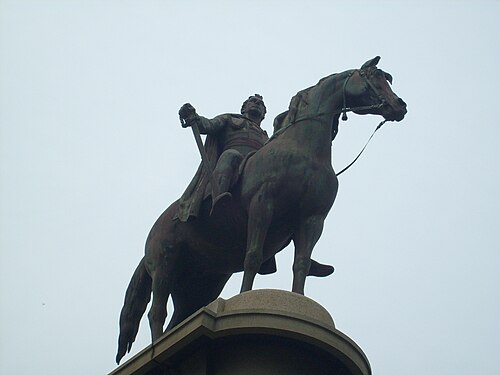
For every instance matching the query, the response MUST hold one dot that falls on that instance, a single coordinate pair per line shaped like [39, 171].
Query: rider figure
[230, 137]
[236, 136]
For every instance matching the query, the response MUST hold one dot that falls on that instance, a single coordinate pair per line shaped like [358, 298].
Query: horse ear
[388, 77]
[372, 62]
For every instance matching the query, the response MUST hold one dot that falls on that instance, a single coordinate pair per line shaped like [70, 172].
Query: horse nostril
[401, 102]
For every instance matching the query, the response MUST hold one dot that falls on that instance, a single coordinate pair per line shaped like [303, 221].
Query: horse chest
[307, 184]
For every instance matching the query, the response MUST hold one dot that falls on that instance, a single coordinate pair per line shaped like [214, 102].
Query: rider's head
[254, 107]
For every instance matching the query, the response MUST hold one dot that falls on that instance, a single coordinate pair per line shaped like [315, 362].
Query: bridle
[344, 111]
[374, 106]
[344, 108]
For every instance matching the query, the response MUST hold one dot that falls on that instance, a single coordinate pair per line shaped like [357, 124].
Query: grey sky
[91, 152]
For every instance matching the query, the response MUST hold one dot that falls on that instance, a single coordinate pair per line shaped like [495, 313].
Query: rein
[363, 149]
[345, 110]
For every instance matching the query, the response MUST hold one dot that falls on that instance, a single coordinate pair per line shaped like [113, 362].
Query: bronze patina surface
[281, 193]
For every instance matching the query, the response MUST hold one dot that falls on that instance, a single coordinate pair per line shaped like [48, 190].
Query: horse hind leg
[161, 275]
[191, 293]
[304, 239]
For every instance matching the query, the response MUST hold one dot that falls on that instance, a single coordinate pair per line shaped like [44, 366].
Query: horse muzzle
[395, 111]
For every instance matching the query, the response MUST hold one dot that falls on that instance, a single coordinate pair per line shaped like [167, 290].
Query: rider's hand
[188, 115]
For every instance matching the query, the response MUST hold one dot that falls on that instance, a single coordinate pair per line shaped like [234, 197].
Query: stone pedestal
[261, 332]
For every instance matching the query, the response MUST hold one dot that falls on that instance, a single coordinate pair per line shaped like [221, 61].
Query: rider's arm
[189, 117]
[211, 126]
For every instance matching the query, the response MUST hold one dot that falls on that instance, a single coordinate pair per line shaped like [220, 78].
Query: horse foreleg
[260, 214]
[305, 238]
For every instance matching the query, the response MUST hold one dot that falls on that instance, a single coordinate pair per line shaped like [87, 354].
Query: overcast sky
[91, 152]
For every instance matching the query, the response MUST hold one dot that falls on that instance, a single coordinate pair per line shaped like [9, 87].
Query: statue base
[260, 332]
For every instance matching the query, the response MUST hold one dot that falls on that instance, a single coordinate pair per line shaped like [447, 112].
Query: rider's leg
[224, 173]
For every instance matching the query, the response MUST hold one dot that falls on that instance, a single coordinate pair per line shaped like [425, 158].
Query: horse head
[367, 91]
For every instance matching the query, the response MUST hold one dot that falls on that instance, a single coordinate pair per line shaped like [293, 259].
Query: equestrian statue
[250, 197]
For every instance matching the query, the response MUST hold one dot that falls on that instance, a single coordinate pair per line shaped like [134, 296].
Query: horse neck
[316, 114]
[328, 93]
[311, 137]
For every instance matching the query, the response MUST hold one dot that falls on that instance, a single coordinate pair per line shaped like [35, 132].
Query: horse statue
[284, 194]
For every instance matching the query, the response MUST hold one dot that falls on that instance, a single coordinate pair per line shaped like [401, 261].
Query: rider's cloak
[199, 188]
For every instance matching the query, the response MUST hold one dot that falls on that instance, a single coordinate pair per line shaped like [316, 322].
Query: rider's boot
[320, 270]
[221, 192]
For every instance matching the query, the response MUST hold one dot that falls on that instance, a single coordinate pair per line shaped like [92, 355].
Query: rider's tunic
[234, 132]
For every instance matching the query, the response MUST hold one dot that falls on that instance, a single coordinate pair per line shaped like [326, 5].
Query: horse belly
[215, 246]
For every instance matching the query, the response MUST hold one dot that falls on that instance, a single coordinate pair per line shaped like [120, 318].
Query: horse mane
[287, 118]
[278, 121]
[284, 119]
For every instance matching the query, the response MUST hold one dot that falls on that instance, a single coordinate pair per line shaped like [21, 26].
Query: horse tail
[136, 300]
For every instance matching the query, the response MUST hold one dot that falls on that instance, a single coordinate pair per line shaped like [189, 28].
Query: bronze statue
[279, 194]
